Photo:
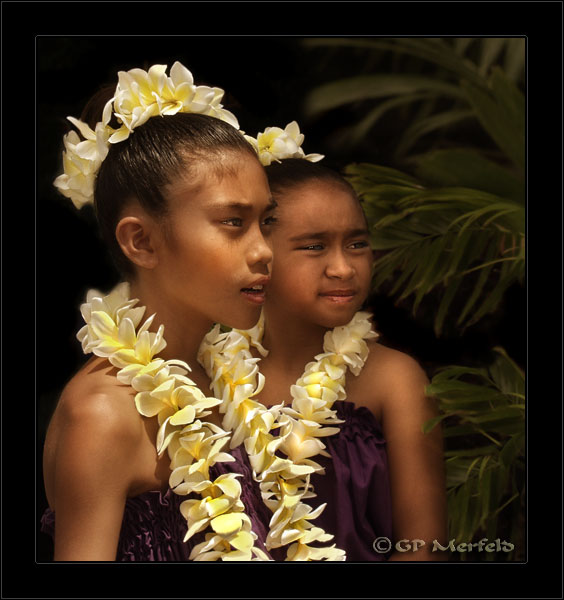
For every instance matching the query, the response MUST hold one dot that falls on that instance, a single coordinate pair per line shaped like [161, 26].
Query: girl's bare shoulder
[389, 364]
[95, 401]
[388, 376]
[95, 438]
[95, 390]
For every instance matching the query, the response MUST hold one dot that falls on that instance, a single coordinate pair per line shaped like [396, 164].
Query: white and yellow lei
[194, 445]
[285, 480]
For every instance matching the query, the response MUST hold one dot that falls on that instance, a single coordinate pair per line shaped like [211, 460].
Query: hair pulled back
[156, 152]
[292, 172]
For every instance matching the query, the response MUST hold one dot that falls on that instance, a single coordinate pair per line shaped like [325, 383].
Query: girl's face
[322, 256]
[213, 250]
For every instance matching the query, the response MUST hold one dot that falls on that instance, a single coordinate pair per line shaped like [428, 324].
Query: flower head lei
[276, 144]
[139, 95]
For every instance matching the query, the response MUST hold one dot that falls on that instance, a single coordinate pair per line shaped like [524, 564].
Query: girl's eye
[312, 247]
[234, 222]
[359, 245]
[270, 220]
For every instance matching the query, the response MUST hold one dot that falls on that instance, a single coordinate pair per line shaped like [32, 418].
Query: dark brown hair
[292, 172]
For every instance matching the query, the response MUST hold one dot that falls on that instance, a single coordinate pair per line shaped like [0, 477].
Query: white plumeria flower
[216, 109]
[276, 144]
[256, 334]
[348, 341]
[221, 498]
[141, 95]
[235, 528]
[81, 161]
[299, 443]
[108, 319]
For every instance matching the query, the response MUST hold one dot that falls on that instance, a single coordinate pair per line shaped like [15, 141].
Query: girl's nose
[339, 267]
[259, 251]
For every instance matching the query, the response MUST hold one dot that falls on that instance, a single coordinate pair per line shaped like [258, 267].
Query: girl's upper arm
[92, 476]
[416, 459]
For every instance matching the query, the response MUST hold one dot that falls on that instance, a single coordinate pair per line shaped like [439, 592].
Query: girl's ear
[136, 235]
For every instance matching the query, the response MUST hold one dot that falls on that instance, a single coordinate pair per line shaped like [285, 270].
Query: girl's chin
[332, 323]
[339, 315]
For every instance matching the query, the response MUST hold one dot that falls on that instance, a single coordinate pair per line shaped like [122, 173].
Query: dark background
[56, 59]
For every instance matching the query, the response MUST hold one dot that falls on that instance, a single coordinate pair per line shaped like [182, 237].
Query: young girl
[379, 481]
[182, 202]
[321, 279]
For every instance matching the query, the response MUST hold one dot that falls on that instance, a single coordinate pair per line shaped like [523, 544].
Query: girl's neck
[291, 343]
[183, 331]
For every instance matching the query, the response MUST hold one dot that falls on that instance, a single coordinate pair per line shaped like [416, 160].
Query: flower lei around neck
[285, 480]
[195, 445]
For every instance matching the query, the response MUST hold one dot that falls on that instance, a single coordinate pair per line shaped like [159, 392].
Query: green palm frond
[439, 52]
[433, 238]
[487, 407]
[428, 124]
[365, 87]
[468, 168]
[473, 79]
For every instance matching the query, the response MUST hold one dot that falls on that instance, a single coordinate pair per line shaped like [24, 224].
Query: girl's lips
[339, 296]
[255, 297]
[254, 293]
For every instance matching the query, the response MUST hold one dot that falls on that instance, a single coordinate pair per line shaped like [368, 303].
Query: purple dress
[355, 487]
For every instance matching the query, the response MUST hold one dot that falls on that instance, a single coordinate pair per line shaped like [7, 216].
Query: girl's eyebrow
[316, 235]
[239, 205]
[271, 205]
